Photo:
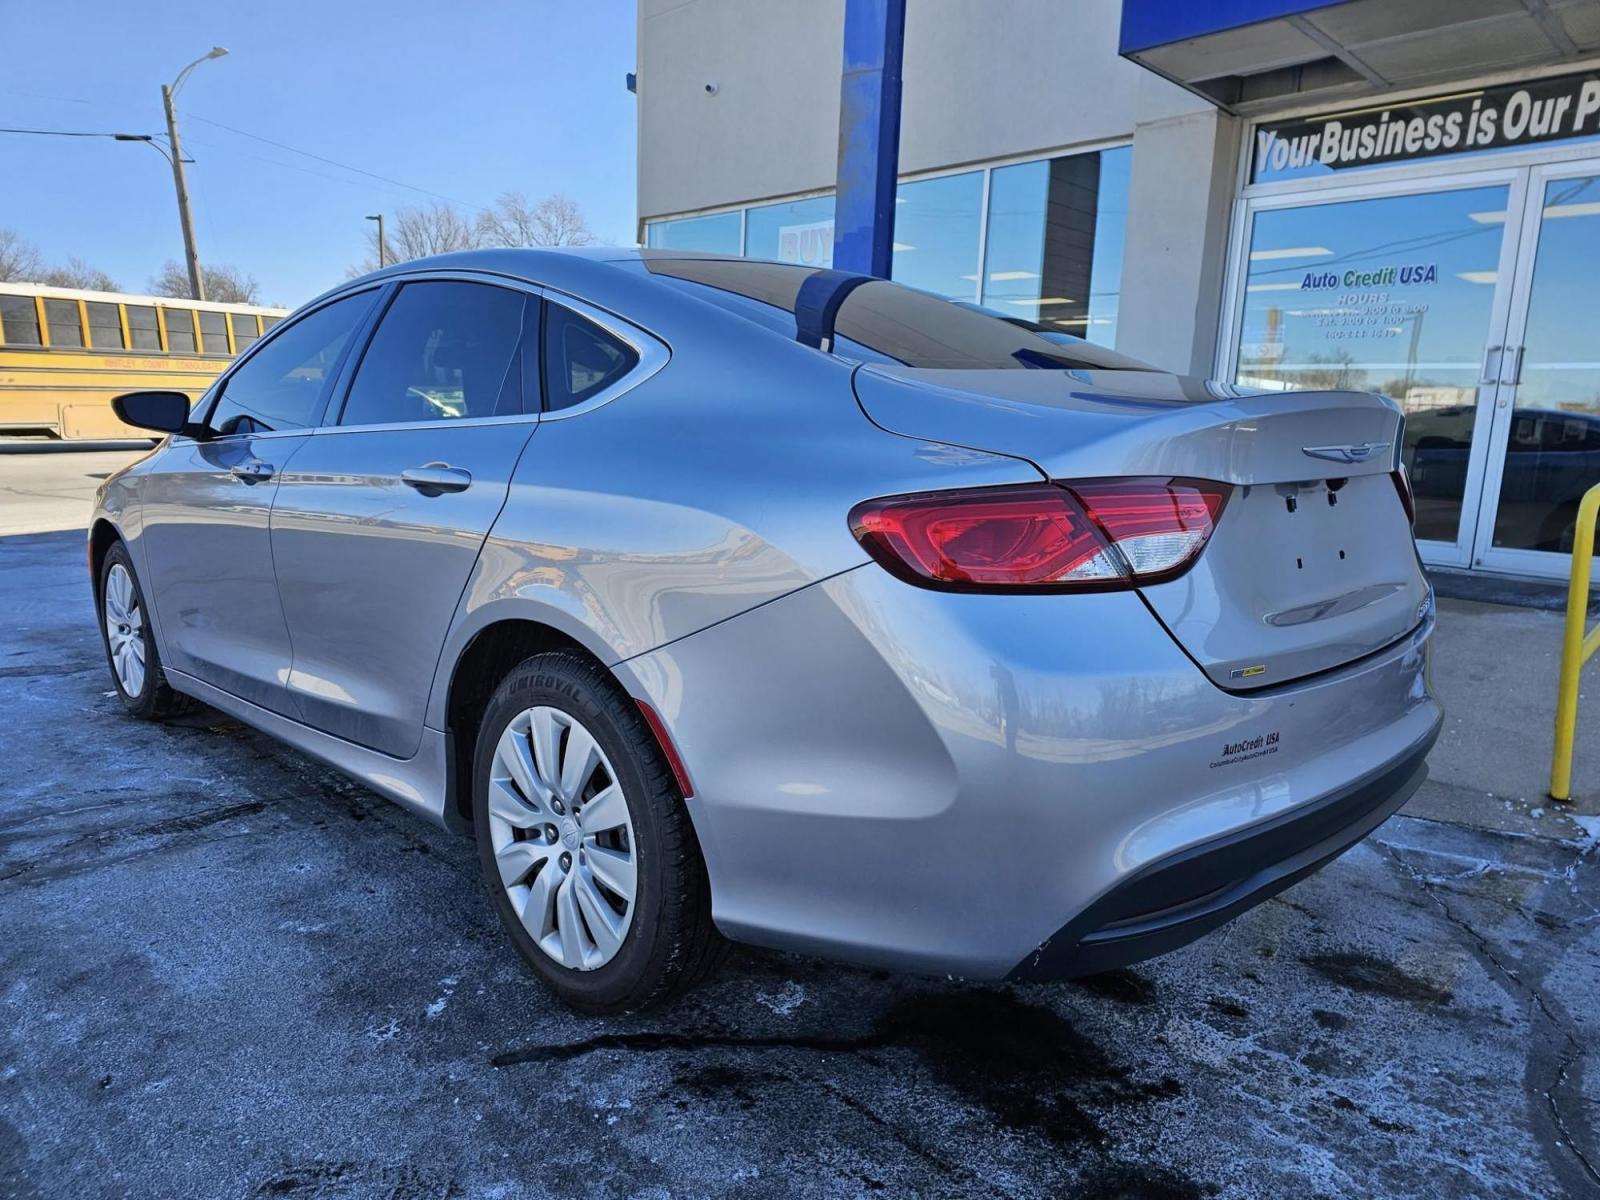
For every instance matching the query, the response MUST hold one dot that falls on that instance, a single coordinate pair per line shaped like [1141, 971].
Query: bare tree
[419, 232]
[79, 274]
[554, 221]
[227, 285]
[19, 260]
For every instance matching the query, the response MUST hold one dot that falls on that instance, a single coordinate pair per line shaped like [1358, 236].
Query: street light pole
[378, 217]
[197, 284]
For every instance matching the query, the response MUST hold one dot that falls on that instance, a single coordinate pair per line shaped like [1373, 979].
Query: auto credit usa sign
[1564, 106]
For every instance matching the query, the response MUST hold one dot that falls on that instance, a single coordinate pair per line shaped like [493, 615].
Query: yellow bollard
[1575, 648]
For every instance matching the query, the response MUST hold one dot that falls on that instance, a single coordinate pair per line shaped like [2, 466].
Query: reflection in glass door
[1394, 293]
[1547, 432]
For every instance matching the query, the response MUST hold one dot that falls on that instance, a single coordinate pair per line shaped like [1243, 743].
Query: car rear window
[884, 321]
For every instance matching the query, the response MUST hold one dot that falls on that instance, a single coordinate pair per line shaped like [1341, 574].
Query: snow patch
[1591, 830]
[386, 1032]
[435, 1010]
[783, 1002]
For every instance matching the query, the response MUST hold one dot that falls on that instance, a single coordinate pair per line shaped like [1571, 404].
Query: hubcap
[124, 630]
[562, 837]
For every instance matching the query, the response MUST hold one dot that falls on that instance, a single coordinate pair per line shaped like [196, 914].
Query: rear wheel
[130, 647]
[583, 840]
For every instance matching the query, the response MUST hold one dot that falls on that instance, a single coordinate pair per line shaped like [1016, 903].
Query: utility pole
[197, 283]
[378, 217]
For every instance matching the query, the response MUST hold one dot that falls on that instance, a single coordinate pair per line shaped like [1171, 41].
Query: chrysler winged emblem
[1357, 453]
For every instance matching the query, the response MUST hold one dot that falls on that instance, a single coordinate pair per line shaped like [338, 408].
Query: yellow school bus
[64, 353]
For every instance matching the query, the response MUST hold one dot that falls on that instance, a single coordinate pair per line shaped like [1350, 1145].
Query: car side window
[282, 384]
[580, 359]
[444, 350]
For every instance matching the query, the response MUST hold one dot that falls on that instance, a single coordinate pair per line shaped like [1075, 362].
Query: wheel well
[102, 537]
[488, 658]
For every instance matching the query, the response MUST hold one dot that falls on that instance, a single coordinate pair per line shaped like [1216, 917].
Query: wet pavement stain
[338, 1180]
[1135, 1182]
[1028, 1067]
[1122, 985]
[1367, 973]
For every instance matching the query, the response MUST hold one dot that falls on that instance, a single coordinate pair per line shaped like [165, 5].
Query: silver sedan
[727, 599]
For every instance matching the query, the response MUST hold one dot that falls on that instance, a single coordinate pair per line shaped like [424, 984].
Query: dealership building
[1390, 195]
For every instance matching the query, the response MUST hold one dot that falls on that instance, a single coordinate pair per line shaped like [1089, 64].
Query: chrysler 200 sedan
[722, 599]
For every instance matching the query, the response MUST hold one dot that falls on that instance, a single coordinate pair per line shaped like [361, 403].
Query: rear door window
[444, 350]
[283, 384]
[581, 360]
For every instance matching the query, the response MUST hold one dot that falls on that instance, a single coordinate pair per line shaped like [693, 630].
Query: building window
[105, 326]
[142, 330]
[19, 321]
[798, 231]
[1055, 234]
[1054, 248]
[936, 231]
[718, 234]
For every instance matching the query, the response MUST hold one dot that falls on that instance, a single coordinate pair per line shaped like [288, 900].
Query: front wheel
[584, 843]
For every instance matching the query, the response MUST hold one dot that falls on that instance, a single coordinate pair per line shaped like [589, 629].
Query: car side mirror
[164, 412]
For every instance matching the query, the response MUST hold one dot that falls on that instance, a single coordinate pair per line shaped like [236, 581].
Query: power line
[331, 161]
[79, 133]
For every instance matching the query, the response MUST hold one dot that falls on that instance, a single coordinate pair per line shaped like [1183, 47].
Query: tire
[141, 682]
[549, 863]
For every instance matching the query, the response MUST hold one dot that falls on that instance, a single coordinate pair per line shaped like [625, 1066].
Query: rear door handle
[435, 478]
[252, 471]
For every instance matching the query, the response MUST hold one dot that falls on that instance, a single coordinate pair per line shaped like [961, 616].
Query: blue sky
[465, 99]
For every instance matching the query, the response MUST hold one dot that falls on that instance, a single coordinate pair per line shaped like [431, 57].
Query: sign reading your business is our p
[1564, 106]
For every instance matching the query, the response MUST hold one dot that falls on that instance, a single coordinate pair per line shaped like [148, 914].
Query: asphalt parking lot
[226, 971]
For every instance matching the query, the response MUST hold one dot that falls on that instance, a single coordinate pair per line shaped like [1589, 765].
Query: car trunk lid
[1311, 564]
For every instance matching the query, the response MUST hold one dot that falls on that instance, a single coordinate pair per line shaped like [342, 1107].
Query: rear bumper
[947, 782]
[1171, 902]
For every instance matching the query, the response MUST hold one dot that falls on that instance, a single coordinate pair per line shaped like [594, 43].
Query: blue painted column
[869, 136]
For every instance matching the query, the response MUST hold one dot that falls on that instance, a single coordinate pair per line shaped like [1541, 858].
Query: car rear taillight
[1408, 498]
[1091, 535]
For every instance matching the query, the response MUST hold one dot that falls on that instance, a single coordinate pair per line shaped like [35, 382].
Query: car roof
[569, 268]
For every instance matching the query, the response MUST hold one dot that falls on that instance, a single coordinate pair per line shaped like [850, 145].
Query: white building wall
[772, 127]
[984, 80]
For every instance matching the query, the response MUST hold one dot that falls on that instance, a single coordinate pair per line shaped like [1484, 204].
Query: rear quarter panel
[721, 483]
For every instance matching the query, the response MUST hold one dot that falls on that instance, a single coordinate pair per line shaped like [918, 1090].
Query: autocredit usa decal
[1259, 746]
[1564, 106]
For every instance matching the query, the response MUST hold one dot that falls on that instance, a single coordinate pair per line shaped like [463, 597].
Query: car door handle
[435, 478]
[253, 471]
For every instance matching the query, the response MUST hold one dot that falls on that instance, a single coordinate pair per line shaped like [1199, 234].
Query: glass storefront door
[1546, 434]
[1471, 301]
[1396, 292]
